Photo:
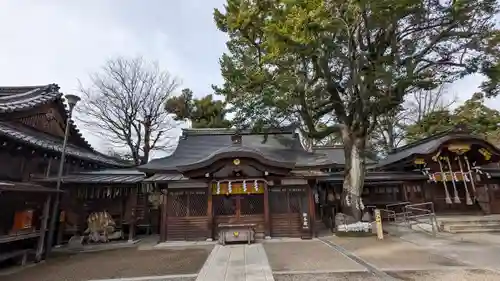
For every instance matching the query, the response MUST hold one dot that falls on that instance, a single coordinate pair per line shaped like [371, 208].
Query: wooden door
[286, 206]
[239, 209]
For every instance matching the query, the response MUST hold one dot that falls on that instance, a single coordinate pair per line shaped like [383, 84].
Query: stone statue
[101, 227]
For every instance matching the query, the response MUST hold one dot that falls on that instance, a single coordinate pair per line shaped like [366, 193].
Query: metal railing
[421, 213]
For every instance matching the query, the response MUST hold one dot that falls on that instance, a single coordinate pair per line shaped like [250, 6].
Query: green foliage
[479, 118]
[203, 113]
[345, 63]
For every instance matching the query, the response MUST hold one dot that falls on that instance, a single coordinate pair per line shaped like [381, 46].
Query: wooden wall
[286, 207]
[187, 215]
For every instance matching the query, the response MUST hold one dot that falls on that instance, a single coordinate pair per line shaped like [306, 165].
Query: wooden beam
[133, 211]
[164, 215]
[312, 209]
[267, 225]
[43, 229]
[49, 166]
[210, 213]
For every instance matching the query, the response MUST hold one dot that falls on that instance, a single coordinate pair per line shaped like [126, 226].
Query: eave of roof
[41, 140]
[13, 99]
[429, 145]
[374, 176]
[109, 176]
[26, 187]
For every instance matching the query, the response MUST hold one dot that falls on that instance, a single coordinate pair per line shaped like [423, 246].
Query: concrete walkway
[236, 263]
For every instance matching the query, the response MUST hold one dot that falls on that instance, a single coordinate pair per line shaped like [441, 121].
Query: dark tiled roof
[13, 99]
[21, 98]
[104, 176]
[25, 187]
[41, 140]
[426, 146]
[165, 178]
[201, 146]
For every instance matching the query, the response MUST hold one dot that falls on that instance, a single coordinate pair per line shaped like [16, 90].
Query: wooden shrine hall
[276, 182]
[32, 124]
[219, 176]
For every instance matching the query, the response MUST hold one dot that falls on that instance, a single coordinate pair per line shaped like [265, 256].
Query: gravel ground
[116, 264]
[364, 276]
[394, 254]
[447, 275]
[307, 256]
[428, 275]
[172, 279]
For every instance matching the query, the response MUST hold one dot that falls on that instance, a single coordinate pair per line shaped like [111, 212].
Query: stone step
[472, 222]
[471, 228]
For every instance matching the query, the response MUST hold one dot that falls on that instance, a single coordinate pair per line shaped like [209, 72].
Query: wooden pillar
[164, 216]
[49, 166]
[312, 210]
[267, 224]
[210, 213]
[133, 207]
[64, 205]
[43, 229]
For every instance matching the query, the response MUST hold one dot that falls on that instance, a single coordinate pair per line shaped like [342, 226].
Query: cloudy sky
[57, 41]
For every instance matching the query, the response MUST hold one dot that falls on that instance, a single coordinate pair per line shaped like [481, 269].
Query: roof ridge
[421, 141]
[13, 90]
[232, 131]
[335, 146]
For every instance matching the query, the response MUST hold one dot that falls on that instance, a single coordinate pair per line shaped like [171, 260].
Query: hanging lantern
[244, 186]
[256, 185]
[229, 187]
[218, 187]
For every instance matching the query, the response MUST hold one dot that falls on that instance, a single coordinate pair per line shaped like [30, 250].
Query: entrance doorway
[236, 209]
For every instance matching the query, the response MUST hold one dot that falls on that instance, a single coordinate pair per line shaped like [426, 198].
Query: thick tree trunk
[353, 176]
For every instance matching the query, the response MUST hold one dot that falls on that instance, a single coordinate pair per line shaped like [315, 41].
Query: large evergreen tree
[202, 113]
[348, 62]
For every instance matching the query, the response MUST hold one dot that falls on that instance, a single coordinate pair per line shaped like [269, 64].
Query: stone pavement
[473, 253]
[236, 263]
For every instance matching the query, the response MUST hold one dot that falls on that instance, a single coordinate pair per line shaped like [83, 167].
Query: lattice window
[224, 205]
[187, 204]
[177, 205]
[297, 200]
[252, 204]
[278, 203]
[197, 204]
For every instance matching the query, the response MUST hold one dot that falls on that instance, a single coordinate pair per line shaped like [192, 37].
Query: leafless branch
[124, 104]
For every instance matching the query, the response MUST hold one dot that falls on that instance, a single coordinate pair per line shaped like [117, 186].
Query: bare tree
[390, 131]
[125, 105]
[421, 103]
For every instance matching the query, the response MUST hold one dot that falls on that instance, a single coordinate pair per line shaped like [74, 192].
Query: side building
[32, 125]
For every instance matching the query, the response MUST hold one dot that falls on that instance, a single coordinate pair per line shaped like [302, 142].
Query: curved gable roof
[431, 145]
[280, 148]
